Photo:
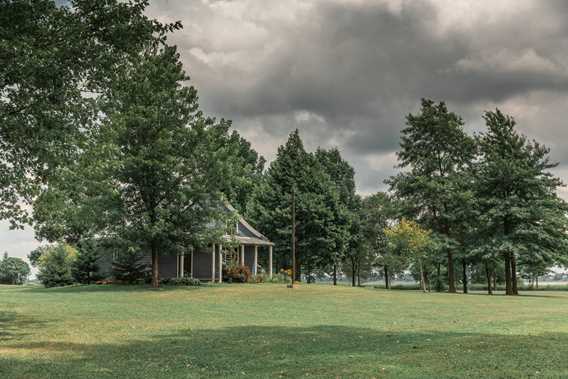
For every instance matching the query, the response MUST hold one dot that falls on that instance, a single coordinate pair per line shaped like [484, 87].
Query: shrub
[56, 264]
[86, 268]
[240, 274]
[278, 278]
[185, 281]
[129, 268]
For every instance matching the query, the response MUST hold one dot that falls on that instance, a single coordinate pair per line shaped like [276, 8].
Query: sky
[347, 72]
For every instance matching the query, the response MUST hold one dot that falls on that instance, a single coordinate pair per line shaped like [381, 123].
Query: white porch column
[181, 273]
[191, 266]
[270, 261]
[220, 263]
[213, 264]
[255, 264]
[242, 255]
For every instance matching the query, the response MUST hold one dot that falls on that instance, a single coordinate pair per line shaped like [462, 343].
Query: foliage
[130, 267]
[522, 218]
[436, 153]
[56, 60]
[297, 174]
[185, 281]
[86, 267]
[237, 273]
[407, 239]
[56, 265]
[13, 270]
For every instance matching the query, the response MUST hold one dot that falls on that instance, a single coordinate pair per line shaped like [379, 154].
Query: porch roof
[248, 240]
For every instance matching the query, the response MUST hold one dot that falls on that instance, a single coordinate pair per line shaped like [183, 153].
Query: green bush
[278, 278]
[130, 269]
[56, 265]
[185, 281]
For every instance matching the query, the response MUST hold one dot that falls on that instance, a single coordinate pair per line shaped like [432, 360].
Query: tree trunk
[427, 281]
[334, 274]
[358, 275]
[155, 268]
[514, 286]
[353, 269]
[508, 284]
[488, 275]
[438, 278]
[422, 279]
[464, 275]
[451, 274]
[387, 279]
[494, 276]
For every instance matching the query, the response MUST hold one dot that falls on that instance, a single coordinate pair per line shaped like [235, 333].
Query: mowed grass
[267, 330]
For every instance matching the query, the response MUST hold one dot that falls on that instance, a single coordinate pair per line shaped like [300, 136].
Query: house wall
[202, 264]
[168, 266]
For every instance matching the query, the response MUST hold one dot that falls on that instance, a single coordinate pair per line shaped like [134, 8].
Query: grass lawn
[268, 330]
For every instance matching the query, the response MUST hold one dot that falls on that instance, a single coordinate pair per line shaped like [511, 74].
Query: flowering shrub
[237, 273]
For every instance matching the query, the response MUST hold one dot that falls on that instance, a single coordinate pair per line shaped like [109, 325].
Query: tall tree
[343, 226]
[523, 218]
[434, 148]
[165, 161]
[54, 61]
[375, 214]
[295, 171]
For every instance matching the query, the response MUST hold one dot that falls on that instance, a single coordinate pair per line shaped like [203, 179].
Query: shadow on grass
[14, 326]
[317, 351]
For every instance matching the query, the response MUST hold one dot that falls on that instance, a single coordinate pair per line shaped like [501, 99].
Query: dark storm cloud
[346, 73]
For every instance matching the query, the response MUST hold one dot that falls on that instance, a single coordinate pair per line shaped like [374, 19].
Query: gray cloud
[346, 72]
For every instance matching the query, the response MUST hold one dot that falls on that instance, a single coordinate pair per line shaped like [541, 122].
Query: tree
[296, 173]
[434, 149]
[343, 226]
[13, 270]
[85, 267]
[375, 213]
[523, 219]
[410, 240]
[56, 265]
[129, 267]
[55, 62]
[165, 159]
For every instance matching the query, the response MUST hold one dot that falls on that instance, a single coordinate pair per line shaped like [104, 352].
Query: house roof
[248, 236]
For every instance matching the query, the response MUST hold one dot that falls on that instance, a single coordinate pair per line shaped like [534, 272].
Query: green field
[271, 331]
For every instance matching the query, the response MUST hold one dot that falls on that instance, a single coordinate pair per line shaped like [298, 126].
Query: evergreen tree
[86, 267]
[522, 217]
[343, 226]
[434, 150]
[296, 174]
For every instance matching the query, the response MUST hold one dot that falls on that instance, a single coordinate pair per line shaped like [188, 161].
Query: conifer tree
[434, 150]
[522, 217]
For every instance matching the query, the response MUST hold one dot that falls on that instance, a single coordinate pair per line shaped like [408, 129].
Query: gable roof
[246, 233]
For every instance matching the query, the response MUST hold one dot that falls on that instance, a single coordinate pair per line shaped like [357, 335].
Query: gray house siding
[202, 265]
[168, 266]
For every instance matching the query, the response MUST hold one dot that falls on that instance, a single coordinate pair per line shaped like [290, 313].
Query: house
[245, 247]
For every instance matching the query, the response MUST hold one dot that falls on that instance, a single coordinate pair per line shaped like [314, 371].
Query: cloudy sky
[346, 72]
